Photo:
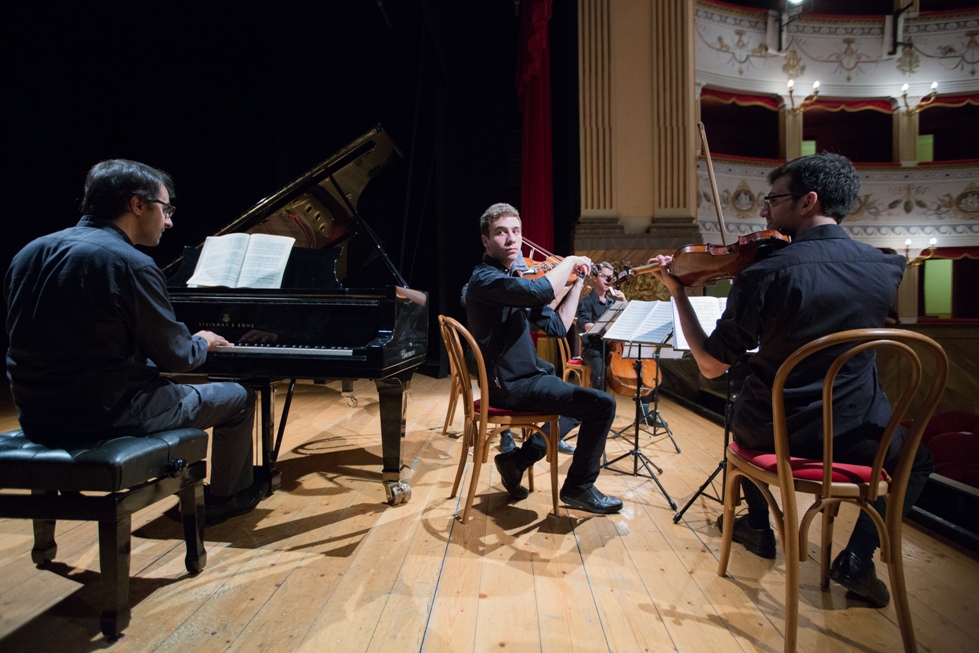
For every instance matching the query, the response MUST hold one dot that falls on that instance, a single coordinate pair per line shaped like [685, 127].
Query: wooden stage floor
[325, 565]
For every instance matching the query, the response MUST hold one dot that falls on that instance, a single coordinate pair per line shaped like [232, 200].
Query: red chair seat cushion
[502, 412]
[575, 361]
[806, 469]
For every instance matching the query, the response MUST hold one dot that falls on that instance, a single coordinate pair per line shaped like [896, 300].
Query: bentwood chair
[573, 366]
[483, 422]
[833, 483]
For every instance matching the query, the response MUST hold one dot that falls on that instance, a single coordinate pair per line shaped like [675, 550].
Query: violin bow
[713, 182]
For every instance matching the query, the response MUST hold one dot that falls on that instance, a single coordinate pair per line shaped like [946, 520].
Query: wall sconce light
[806, 102]
[907, 250]
[924, 102]
[923, 255]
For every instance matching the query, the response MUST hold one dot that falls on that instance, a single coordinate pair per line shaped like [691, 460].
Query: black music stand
[721, 466]
[651, 417]
[637, 351]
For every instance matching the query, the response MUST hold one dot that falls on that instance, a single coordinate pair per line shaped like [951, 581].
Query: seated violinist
[501, 309]
[822, 283]
[591, 307]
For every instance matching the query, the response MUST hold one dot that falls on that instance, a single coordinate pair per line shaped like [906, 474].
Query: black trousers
[546, 393]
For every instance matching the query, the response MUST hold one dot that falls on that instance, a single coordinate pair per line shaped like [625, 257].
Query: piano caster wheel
[398, 492]
[351, 400]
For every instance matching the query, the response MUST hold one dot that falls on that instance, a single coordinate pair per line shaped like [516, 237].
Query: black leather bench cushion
[106, 466]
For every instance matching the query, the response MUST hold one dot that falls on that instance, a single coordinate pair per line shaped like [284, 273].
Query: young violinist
[821, 283]
[591, 307]
[500, 309]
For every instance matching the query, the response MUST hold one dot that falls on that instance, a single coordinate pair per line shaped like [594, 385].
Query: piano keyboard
[280, 350]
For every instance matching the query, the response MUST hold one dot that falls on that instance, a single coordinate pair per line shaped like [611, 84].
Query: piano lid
[319, 209]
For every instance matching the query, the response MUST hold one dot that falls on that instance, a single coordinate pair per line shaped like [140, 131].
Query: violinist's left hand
[618, 294]
[663, 273]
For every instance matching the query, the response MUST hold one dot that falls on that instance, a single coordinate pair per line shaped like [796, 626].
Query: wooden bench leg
[114, 553]
[45, 548]
[192, 516]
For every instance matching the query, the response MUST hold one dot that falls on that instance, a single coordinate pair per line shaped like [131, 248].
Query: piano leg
[266, 390]
[393, 403]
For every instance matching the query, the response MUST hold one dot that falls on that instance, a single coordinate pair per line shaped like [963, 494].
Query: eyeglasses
[168, 209]
[768, 198]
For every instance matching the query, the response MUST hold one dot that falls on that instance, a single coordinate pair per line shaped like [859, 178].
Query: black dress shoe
[218, 510]
[511, 475]
[860, 577]
[760, 541]
[590, 499]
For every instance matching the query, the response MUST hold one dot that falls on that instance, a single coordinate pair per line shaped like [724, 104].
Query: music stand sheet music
[708, 310]
[643, 322]
[602, 324]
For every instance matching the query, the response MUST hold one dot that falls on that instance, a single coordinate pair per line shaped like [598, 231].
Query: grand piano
[343, 311]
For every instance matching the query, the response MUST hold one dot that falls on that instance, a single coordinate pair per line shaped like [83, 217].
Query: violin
[536, 269]
[703, 265]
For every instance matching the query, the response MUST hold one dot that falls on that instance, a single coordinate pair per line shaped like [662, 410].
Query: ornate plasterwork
[850, 56]
[894, 204]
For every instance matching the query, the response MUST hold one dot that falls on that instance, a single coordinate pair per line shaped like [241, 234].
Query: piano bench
[106, 481]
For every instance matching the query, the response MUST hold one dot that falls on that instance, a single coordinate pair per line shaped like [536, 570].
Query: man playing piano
[500, 310]
[91, 326]
[822, 283]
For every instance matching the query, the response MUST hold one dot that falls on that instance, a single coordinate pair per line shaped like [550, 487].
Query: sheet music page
[646, 322]
[242, 260]
[220, 261]
[708, 310]
[265, 261]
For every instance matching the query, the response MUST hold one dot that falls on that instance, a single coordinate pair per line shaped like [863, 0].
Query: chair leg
[467, 440]
[45, 548]
[899, 591]
[732, 496]
[826, 546]
[114, 551]
[478, 453]
[192, 516]
[792, 565]
[552, 458]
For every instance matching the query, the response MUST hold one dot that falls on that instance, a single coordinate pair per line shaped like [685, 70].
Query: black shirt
[590, 309]
[500, 310]
[822, 283]
[89, 321]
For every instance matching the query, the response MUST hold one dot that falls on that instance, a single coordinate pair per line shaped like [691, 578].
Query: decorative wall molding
[896, 204]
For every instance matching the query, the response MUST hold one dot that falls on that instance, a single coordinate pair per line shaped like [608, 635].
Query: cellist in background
[821, 283]
[591, 307]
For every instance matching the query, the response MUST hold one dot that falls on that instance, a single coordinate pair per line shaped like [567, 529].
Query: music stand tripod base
[636, 453]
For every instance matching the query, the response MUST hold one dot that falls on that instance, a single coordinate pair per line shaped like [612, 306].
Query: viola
[703, 265]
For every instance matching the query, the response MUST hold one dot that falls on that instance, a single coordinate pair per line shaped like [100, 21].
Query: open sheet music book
[242, 260]
[643, 322]
[708, 310]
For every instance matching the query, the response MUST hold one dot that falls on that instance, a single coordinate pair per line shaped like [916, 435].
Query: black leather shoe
[238, 504]
[564, 447]
[860, 577]
[506, 442]
[760, 541]
[591, 500]
[511, 475]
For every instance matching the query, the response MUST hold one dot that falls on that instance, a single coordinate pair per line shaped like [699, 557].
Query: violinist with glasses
[500, 310]
[821, 283]
[591, 307]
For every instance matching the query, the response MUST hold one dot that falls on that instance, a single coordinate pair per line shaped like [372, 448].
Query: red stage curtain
[534, 91]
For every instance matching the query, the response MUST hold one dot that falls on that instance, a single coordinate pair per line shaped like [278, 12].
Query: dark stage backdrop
[235, 99]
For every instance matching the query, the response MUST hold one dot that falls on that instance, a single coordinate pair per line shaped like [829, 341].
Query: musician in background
[91, 326]
[822, 283]
[591, 307]
[501, 309]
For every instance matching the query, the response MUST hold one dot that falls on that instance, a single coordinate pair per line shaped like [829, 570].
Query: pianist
[500, 310]
[91, 326]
